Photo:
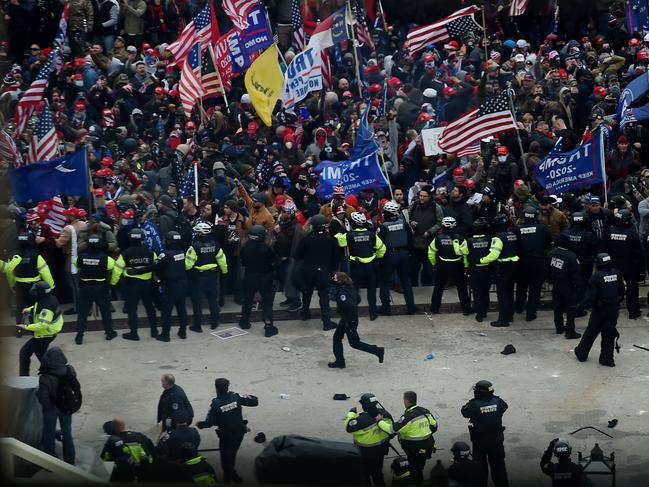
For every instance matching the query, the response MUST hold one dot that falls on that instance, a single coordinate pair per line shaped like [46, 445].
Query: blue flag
[637, 16]
[39, 181]
[256, 37]
[354, 175]
[365, 143]
[633, 91]
[579, 168]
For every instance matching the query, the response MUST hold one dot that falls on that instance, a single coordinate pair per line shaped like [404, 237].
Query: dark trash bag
[294, 459]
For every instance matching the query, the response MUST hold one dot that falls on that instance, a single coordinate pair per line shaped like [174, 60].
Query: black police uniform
[94, 267]
[198, 471]
[533, 241]
[362, 263]
[486, 431]
[37, 345]
[563, 273]
[171, 447]
[204, 279]
[170, 269]
[225, 414]
[257, 258]
[604, 293]
[584, 244]
[466, 472]
[451, 263]
[138, 261]
[318, 254]
[416, 428]
[564, 473]
[397, 237]
[622, 243]
[347, 303]
[174, 403]
[503, 251]
[479, 274]
[132, 453]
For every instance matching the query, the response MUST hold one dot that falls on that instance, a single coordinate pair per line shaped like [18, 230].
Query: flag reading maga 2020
[578, 168]
[303, 75]
[354, 175]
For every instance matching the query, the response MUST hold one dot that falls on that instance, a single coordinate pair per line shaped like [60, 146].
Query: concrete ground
[549, 393]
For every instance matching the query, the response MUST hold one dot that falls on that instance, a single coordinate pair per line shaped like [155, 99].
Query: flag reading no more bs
[264, 82]
[40, 181]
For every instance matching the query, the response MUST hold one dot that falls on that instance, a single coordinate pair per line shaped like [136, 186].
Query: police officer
[370, 438]
[396, 234]
[415, 429]
[46, 321]
[533, 242]
[136, 266]
[485, 412]
[346, 297]
[94, 268]
[622, 243]
[364, 248]
[604, 294]
[225, 414]
[479, 274]
[23, 270]
[564, 473]
[564, 275]
[584, 244]
[173, 401]
[317, 254]
[257, 259]
[465, 472]
[204, 259]
[170, 269]
[171, 443]
[131, 451]
[195, 467]
[503, 251]
[448, 251]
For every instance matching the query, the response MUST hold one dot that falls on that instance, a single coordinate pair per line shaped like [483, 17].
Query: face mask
[502, 158]
[78, 83]
[220, 173]
[556, 81]
[126, 222]
[289, 145]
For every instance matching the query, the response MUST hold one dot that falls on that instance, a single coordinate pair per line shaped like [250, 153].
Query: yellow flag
[264, 81]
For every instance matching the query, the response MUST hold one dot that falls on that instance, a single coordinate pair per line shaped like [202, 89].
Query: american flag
[238, 11]
[299, 36]
[209, 75]
[453, 26]
[190, 88]
[107, 118]
[201, 29]
[8, 150]
[361, 27]
[517, 7]
[471, 150]
[326, 69]
[43, 146]
[51, 213]
[34, 93]
[491, 118]
[61, 33]
[187, 183]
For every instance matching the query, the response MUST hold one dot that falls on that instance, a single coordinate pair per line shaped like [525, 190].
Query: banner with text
[303, 75]
[354, 175]
[430, 138]
[245, 45]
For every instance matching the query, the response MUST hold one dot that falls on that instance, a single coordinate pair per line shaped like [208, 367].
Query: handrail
[11, 447]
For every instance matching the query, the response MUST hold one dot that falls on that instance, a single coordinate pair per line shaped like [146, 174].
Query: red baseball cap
[100, 192]
[159, 90]
[503, 150]
[252, 127]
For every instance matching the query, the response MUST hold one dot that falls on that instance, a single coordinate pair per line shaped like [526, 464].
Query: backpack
[184, 228]
[69, 398]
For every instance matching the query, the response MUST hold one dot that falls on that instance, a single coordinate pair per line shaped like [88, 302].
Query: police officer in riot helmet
[479, 273]
[564, 473]
[464, 471]
[170, 269]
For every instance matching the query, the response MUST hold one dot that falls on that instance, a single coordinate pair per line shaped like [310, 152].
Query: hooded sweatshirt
[53, 368]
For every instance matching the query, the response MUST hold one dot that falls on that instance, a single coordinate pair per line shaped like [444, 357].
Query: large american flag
[209, 75]
[190, 88]
[299, 36]
[8, 150]
[453, 26]
[238, 11]
[201, 29]
[34, 93]
[43, 146]
[491, 118]
[517, 7]
[361, 27]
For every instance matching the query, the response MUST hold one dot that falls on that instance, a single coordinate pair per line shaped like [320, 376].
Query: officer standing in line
[465, 472]
[136, 264]
[604, 294]
[170, 269]
[622, 243]
[225, 414]
[564, 274]
[584, 244]
[415, 429]
[46, 321]
[503, 250]
[396, 234]
[172, 402]
[364, 248]
[533, 243]
[370, 438]
[448, 252]
[23, 270]
[479, 274]
[131, 451]
[318, 253]
[564, 473]
[94, 267]
[257, 259]
[195, 467]
[485, 413]
[204, 259]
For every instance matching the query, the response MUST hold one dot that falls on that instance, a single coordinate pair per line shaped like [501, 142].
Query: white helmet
[203, 228]
[449, 222]
[359, 219]
[391, 207]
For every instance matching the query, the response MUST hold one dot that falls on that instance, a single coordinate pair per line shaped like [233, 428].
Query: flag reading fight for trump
[579, 168]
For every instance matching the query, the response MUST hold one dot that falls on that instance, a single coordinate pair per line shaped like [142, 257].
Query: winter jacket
[429, 219]
[133, 13]
[82, 16]
[54, 366]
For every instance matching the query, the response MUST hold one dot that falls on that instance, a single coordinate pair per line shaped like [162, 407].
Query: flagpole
[386, 174]
[518, 136]
[603, 168]
[484, 35]
[385, 23]
[355, 46]
[218, 74]
[195, 182]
